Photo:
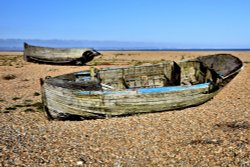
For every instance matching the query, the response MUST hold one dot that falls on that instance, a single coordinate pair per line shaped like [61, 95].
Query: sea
[8, 49]
[16, 45]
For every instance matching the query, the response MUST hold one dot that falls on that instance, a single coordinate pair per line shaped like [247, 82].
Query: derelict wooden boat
[139, 89]
[57, 55]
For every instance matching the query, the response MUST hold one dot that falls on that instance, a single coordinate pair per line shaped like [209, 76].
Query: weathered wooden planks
[122, 104]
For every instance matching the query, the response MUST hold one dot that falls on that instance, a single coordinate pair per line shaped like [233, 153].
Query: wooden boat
[58, 56]
[99, 93]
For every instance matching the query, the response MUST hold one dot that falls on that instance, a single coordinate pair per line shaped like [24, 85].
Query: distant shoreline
[193, 50]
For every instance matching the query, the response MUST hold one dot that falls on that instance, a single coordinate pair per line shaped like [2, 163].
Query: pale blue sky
[192, 23]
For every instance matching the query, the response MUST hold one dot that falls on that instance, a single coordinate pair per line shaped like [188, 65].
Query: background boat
[58, 55]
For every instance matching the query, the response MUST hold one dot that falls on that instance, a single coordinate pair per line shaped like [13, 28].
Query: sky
[187, 23]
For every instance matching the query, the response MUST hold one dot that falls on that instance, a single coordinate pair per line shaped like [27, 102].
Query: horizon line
[17, 43]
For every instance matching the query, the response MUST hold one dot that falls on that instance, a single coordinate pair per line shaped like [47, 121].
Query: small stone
[79, 163]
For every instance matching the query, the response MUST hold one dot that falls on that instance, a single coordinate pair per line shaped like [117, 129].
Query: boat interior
[157, 75]
[164, 74]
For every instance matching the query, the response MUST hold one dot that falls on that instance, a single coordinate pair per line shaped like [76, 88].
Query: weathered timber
[99, 93]
[58, 56]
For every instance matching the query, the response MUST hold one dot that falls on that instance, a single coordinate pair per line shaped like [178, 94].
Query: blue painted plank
[82, 73]
[171, 88]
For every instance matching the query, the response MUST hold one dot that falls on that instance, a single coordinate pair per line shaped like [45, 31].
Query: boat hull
[99, 104]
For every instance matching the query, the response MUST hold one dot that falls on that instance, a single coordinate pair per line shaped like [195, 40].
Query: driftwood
[139, 89]
[58, 56]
